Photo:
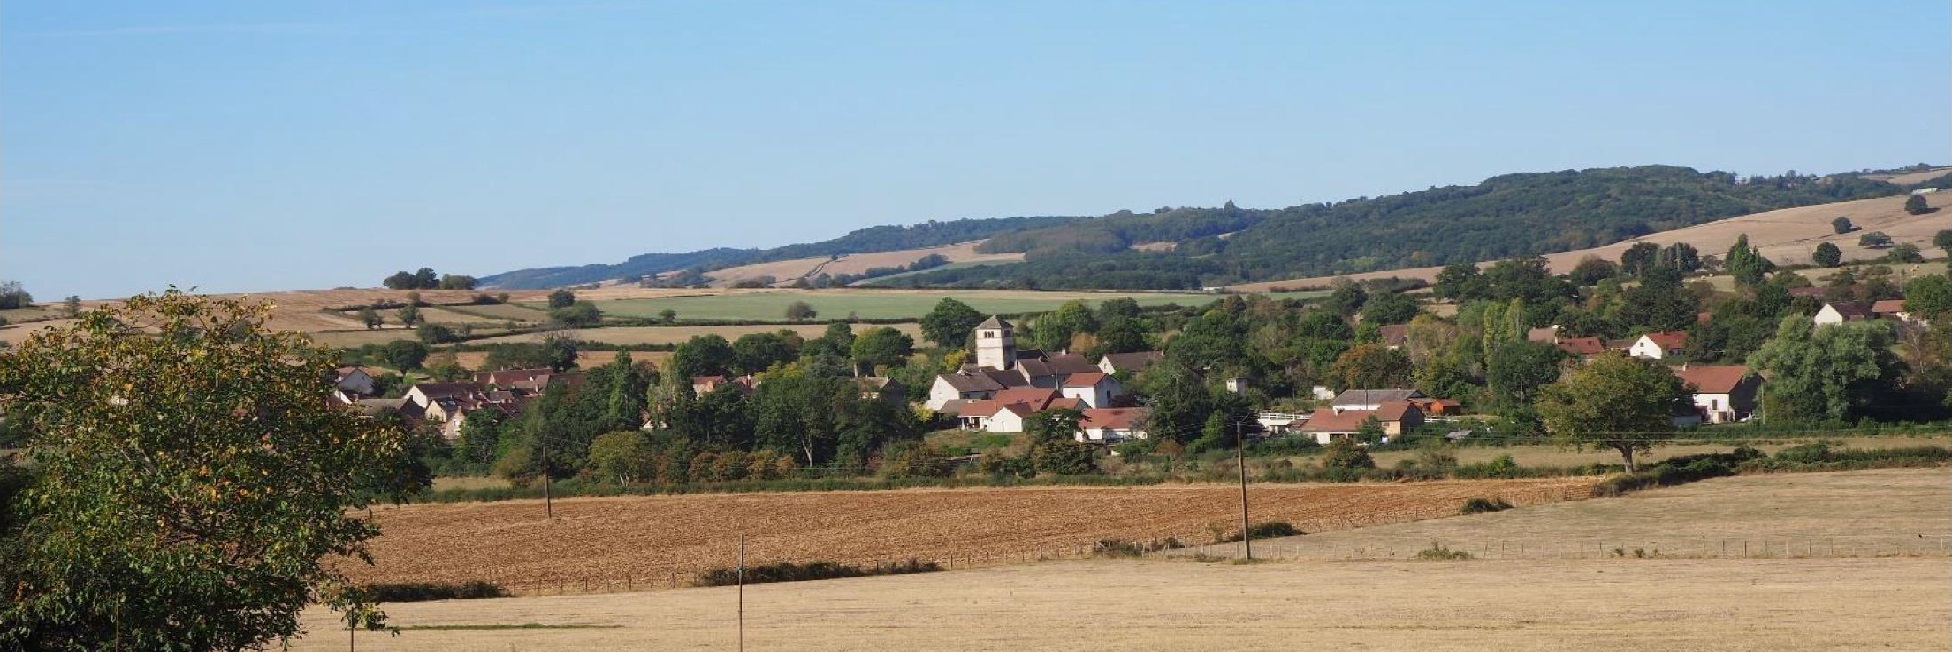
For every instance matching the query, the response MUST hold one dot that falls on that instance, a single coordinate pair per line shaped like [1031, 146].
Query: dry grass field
[679, 334]
[1786, 236]
[606, 539]
[1791, 604]
[785, 271]
[584, 359]
[1908, 178]
[1549, 455]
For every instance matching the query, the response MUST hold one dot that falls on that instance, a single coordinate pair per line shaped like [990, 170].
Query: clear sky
[252, 145]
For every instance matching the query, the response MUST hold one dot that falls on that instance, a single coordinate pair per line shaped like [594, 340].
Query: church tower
[996, 344]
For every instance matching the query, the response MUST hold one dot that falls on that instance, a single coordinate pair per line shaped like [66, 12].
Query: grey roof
[1134, 362]
[1374, 396]
[994, 322]
[971, 382]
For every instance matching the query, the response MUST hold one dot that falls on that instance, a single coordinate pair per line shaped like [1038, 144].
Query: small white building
[1838, 312]
[1722, 393]
[1661, 345]
[1112, 425]
[1095, 389]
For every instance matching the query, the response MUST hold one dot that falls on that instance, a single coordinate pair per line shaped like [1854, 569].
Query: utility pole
[548, 497]
[742, 593]
[1246, 531]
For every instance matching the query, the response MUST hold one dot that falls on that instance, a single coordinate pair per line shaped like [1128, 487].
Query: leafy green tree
[1591, 270]
[756, 352]
[1055, 329]
[187, 485]
[1345, 453]
[1346, 300]
[1515, 371]
[561, 299]
[1054, 446]
[1389, 308]
[71, 306]
[582, 314]
[1842, 225]
[1122, 336]
[371, 318]
[405, 355]
[1943, 240]
[1370, 366]
[1904, 252]
[457, 282]
[667, 316]
[882, 346]
[1827, 254]
[1117, 309]
[438, 334]
[12, 296]
[1916, 205]
[1660, 302]
[1874, 240]
[409, 316]
[1746, 264]
[1639, 257]
[1679, 256]
[1614, 402]
[559, 352]
[1834, 372]
[623, 457]
[1929, 297]
[801, 311]
[703, 355]
[949, 324]
[1461, 282]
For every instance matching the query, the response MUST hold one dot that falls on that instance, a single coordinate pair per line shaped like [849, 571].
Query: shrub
[1502, 467]
[1481, 505]
[819, 570]
[1267, 530]
[425, 591]
[1346, 454]
[1437, 552]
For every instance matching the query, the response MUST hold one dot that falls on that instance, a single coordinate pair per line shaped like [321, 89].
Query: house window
[989, 334]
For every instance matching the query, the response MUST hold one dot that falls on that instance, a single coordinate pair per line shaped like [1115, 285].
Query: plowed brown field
[604, 540]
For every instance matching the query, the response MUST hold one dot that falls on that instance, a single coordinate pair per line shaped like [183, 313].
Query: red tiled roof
[1036, 397]
[1851, 309]
[1394, 410]
[1582, 345]
[1087, 379]
[1669, 340]
[1328, 420]
[1394, 334]
[1712, 378]
[1888, 306]
[1116, 418]
[977, 409]
[1066, 404]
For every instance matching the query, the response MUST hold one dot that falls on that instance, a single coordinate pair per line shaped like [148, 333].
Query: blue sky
[280, 145]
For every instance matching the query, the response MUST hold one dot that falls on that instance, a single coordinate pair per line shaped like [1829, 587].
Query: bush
[1346, 454]
[1481, 505]
[818, 570]
[1502, 467]
[1437, 552]
[1267, 530]
[425, 591]
[1125, 548]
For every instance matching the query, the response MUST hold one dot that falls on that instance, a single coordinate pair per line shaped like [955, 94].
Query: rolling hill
[1186, 248]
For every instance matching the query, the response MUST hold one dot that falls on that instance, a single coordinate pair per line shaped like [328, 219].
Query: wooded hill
[1504, 216]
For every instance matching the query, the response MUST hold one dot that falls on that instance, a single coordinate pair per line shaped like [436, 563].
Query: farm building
[1112, 425]
[1329, 424]
[1722, 393]
[1372, 399]
[1837, 312]
[1658, 345]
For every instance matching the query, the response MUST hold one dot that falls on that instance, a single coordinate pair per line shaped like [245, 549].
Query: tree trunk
[1626, 452]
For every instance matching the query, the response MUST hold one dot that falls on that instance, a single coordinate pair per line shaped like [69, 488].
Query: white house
[1095, 389]
[352, 384]
[1112, 425]
[1656, 346]
[1009, 418]
[1131, 363]
[1841, 311]
[966, 384]
[1722, 393]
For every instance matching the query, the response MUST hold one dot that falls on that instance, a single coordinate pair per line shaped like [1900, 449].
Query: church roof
[993, 322]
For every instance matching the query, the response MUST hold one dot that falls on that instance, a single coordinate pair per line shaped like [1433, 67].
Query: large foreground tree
[1613, 402]
[190, 478]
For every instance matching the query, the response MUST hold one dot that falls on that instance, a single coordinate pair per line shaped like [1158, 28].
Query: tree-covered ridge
[1505, 216]
[869, 240]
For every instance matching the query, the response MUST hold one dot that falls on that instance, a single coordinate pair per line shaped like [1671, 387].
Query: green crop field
[871, 304]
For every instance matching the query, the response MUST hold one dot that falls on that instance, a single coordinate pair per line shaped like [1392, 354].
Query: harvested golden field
[1786, 236]
[785, 271]
[1551, 455]
[1626, 605]
[1908, 178]
[678, 334]
[604, 540]
[584, 359]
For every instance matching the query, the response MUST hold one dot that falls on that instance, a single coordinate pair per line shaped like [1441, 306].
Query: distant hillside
[1184, 248]
[869, 240]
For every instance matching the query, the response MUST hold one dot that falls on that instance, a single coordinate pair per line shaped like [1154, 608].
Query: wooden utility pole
[1246, 531]
[742, 593]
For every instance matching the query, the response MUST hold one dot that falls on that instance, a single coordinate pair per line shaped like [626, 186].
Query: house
[1891, 309]
[428, 395]
[1543, 335]
[1112, 425]
[1131, 363]
[349, 384]
[1582, 346]
[1330, 424]
[1370, 399]
[1395, 336]
[702, 385]
[1722, 393]
[1433, 407]
[974, 414]
[1837, 312]
[1007, 409]
[1095, 388]
[1658, 345]
[882, 388]
[965, 384]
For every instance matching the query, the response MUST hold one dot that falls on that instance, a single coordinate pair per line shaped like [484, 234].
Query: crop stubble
[607, 539]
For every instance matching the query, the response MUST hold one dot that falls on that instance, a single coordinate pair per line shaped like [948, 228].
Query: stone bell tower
[996, 344]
